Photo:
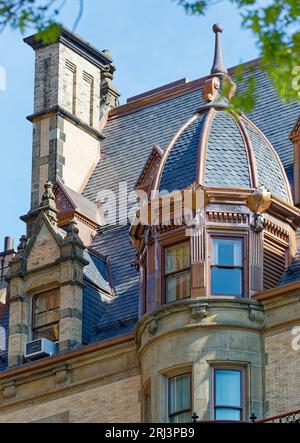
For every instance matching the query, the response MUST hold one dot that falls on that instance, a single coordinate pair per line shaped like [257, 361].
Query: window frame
[34, 328]
[243, 268]
[144, 285]
[174, 414]
[166, 275]
[243, 392]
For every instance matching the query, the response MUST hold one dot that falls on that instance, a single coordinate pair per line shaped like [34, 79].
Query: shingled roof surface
[292, 273]
[130, 134]
[226, 158]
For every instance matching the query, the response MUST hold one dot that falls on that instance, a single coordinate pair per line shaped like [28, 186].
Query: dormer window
[46, 316]
[177, 272]
[227, 268]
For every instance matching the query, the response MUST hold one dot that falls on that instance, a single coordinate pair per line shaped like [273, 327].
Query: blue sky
[153, 42]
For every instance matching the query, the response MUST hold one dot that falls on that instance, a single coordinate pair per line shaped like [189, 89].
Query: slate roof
[96, 272]
[184, 152]
[121, 313]
[226, 161]
[269, 174]
[129, 138]
[292, 273]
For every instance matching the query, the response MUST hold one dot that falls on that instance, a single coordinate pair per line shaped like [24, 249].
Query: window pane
[46, 315]
[179, 393]
[46, 318]
[228, 388]
[178, 286]
[49, 332]
[226, 281]
[227, 252]
[228, 414]
[177, 258]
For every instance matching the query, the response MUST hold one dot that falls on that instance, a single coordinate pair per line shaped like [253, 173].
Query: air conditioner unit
[40, 348]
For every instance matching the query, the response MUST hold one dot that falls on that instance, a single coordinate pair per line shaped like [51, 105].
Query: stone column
[19, 308]
[256, 261]
[198, 253]
[71, 290]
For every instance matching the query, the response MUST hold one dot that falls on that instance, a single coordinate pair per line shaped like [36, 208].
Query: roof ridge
[165, 94]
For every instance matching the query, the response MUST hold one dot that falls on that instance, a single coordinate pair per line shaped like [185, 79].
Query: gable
[44, 250]
[149, 171]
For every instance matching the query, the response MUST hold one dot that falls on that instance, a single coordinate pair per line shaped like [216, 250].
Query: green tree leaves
[275, 25]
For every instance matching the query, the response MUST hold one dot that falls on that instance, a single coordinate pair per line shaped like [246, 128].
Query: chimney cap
[8, 244]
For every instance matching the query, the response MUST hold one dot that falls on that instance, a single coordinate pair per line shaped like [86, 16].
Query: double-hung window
[177, 272]
[179, 402]
[46, 316]
[227, 267]
[228, 394]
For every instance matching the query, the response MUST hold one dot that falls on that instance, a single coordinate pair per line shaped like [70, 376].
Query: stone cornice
[68, 116]
[279, 291]
[50, 362]
[76, 44]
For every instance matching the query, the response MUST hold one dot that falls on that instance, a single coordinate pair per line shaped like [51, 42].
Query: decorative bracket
[152, 326]
[10, 391]
[199, 312]
[256, 316]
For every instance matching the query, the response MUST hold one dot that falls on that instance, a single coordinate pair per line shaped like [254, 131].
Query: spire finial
[218, 64]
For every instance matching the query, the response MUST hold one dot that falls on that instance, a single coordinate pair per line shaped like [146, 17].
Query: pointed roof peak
[218, 63]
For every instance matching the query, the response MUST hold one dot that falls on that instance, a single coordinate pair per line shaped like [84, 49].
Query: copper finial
[218, 64]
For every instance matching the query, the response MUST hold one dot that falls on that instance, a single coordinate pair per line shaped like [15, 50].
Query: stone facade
[101, 384]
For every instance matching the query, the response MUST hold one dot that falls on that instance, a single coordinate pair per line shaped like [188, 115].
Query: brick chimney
[72, 90]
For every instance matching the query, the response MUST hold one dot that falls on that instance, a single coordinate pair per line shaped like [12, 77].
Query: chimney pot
[8, 244]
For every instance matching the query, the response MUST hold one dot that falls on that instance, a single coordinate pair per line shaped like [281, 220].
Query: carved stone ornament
[150, 236]
[23, 243]
[9, 391]
[62, 376]
[260, 200]
[256, 316]
[152, 327]
[199, 312]
[259, 223]
[211, 89]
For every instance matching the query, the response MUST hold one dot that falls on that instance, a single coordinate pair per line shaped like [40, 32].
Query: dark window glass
[180, 399]
[227, 266]
[46, 316]
[177, 272]
[228, 395]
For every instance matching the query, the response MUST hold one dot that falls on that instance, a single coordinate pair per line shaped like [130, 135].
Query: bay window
[228, 394]
[177, 272]
[179, 403]
[227, 267]
[46, 316]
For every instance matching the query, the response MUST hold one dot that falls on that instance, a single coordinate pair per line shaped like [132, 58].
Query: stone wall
[282, 348]
[196, 336]
[97, 386]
